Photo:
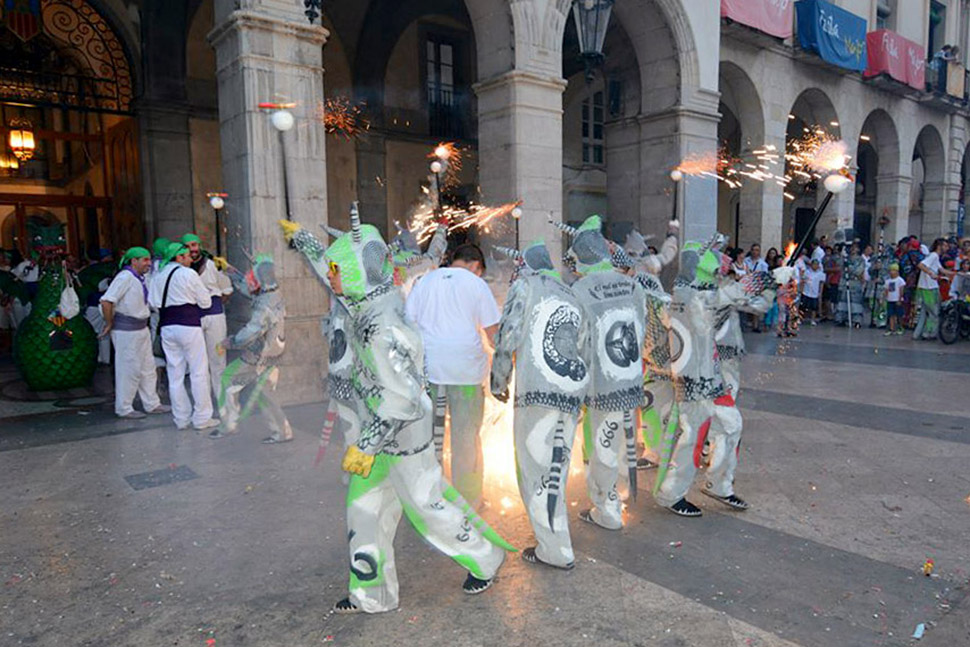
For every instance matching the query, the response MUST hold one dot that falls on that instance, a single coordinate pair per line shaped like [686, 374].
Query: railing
[445, 114]
[58, 90]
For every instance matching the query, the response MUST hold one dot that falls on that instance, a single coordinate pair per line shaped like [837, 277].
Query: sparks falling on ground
[342, 117]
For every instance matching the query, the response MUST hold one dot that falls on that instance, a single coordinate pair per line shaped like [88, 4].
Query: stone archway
[928, 217]
[879, 181]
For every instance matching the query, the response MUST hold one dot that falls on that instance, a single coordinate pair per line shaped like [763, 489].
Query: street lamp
[592, 17]
[21, 139]
[835, 183]
[217, 202]
[312, 9]
[282, 120]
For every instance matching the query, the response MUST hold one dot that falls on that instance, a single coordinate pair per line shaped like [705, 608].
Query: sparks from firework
[789, 250]
[450, 156]
[340, 116]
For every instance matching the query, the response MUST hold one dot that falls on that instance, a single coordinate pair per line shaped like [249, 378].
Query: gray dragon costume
[543, 333]
[410, 263]
[335, 327]
[704, 405]
[262, 342]
[392, 463]
[616, 307]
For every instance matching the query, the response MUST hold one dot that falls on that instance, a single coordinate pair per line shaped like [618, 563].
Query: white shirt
[818, 254]
[813, 283]
[127, 295]
[926, 281]
[753, 265]
[215, 281]
[894, 289]
[450, 306]
[27, 271]
[186, 287]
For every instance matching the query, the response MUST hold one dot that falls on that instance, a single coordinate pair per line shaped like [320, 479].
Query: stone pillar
[937, 217]
[666, 139]
[268, 52]
[520, 149]
[167, 168]
[372, 180]
[762, 204]
[622, 147]
[892, 200]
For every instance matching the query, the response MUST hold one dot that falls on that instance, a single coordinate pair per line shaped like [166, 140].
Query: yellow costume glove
[357, 462]
[220, 262]
[289, 229]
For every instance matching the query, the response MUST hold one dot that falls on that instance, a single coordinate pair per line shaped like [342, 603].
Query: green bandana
[159, 247]
[191, 238]
[173, 250]
[134, 252]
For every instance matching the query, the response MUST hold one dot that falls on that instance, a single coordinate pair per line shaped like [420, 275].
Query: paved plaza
[855, 453]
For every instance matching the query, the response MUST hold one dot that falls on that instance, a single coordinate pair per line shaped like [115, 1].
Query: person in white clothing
[451, 307]
[125, 309]
[811, 290]
[180, 296]
[214, 327]
[893, 292]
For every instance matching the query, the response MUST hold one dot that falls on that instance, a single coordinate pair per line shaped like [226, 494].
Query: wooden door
[124, 226]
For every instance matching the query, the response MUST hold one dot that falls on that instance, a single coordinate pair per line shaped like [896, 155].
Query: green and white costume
[543, 334]
[615, 306]
[395, 413]
[262, 342]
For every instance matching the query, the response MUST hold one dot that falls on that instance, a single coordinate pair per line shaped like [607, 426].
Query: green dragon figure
[51, 351]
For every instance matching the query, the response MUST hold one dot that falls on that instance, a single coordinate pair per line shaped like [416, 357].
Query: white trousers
[96, 319]
[604, 439]
[184, 348]
[725, 434]
[214, 329]
[134, 370]
[413, 485]
[543, 444]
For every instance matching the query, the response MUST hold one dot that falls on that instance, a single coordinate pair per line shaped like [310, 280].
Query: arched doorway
[812, 118]
[877, 178]
[927, 205]
[66, 86]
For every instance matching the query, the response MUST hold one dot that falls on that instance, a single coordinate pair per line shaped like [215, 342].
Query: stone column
[892, 200]
[167, 168]
[937, 216]
[372, 180]
[622, 146]
[520, 149]
[666, 139]
[268, 52]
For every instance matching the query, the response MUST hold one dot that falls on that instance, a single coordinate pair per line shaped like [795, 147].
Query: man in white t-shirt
[452, 306]
[928, 293]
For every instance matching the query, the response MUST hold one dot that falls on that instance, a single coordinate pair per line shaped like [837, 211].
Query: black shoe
[346, 607]
[685, 508]
[474, 586]
[587, 516]
[732, 500]
[529, 555]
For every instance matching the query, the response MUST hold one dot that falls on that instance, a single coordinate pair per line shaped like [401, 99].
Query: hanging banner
[774, 17]
[900, 58]
[836, 35]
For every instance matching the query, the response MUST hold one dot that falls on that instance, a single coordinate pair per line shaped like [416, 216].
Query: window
[937, 28]
[443, 104]
[593, 129]
[884, 14]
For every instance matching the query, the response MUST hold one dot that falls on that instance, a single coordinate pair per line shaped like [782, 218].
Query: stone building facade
[501, 78]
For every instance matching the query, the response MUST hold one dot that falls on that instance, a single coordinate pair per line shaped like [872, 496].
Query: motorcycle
[954, 321]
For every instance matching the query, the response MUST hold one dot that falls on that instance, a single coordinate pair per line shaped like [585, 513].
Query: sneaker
[587, 516]
[888, 333]
[814, 323]
[899, 332]
[133, 415]
[474, 586]
[208, 424]
[529, 555]
[645, 464]
[162, 408]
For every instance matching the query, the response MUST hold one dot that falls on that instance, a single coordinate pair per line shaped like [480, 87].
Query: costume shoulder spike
[567, 229]
[355, 222]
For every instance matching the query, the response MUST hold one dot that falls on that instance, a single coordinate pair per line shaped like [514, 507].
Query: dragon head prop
[47, 242]
[262, 276]
[362, 257]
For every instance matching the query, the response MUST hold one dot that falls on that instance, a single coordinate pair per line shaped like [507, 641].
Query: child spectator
[812, 290]
[894, 301]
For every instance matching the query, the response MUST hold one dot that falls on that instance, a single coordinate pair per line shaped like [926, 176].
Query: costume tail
[667, 447]
[631, 451]
[452, 495]
[555, 472]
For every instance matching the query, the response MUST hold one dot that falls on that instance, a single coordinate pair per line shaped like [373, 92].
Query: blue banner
[837, 35]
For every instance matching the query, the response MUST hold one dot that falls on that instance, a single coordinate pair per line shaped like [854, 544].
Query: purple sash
[215, 308]
[187, 314]
[124, 322]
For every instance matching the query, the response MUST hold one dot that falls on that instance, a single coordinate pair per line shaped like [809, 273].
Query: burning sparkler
[342, 117]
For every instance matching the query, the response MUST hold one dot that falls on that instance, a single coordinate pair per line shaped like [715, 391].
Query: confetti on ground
[920, 630]
[676, 544]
